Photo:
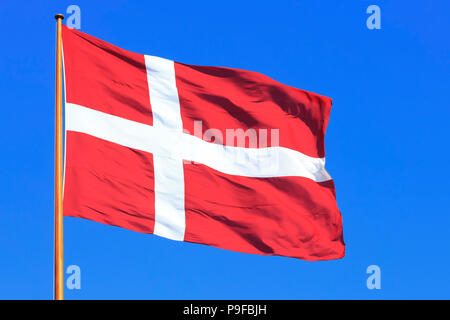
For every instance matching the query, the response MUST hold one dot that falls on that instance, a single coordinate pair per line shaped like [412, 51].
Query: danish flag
[211, 155]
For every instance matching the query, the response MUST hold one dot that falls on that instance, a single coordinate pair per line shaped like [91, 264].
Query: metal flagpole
[59, 266]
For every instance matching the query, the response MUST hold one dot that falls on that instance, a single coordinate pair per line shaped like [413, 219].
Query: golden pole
[59, 265]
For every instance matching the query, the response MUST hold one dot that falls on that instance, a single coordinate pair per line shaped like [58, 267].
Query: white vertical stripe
[169, 176]
[169, 198]
[163, 93]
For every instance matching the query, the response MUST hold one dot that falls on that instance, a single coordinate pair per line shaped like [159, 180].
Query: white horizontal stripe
[172, 144]
[169, 177]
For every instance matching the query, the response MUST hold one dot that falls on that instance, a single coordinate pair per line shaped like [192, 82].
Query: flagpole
[59, 265]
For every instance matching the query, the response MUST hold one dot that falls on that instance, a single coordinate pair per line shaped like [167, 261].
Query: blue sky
[386, 146]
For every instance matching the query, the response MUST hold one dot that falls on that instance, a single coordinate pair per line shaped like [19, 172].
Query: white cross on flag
[218, 156]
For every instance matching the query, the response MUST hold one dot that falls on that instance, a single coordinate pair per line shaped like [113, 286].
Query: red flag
[218, 156]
